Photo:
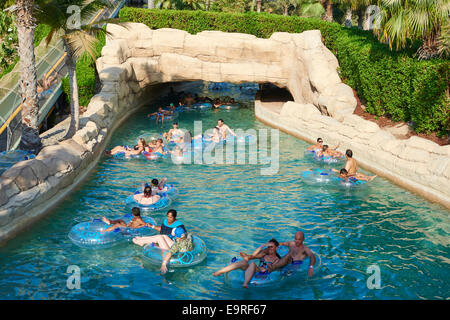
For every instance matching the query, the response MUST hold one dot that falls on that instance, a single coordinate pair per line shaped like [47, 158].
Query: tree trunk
[348, 17]
[329, 10]
[258, 6]
[360, 18]
[151, 4]
[285, 11]
[74, 103]
[207, 4]
[328, 16]
[30, 139]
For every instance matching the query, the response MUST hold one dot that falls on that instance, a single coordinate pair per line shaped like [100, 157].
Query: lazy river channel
[233, 208]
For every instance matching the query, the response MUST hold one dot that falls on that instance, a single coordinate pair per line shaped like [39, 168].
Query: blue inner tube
[202, 105]
[236, 277]
[154, 254]
[218, 86]
[162, 203]
[88, 234]
[121, 155]
[246, 139]
[227, 106]
[169, 190]
[166, 117]
[327, 176]
[156, 155]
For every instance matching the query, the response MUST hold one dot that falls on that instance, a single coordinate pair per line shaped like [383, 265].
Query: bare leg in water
[242, 264]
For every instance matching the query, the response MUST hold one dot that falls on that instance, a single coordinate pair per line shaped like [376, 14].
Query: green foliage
[231, 6]
[9, 41]
[394, 84]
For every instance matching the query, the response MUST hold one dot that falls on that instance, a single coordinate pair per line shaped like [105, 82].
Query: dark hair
[274, 241]
[221, 120]
[319, 139]
[349, 153]
[325, 147]
[147, 191]
[173, 212]
[175, 123]
[136, 212]
[155, 181]
[160, 140]
[343, 171]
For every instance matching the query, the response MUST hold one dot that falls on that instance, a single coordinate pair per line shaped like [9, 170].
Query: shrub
[394, 84]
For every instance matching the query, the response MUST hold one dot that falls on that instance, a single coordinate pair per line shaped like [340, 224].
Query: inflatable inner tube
[249, 139]
[181, 259]
[202, 106]
[236, 277]
[327, 176]
[227, 106]
[166, 117]
[162, 203]
[89, 234]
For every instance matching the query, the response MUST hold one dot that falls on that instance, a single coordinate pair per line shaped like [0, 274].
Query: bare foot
[215, 274]
[136, 241]
[244, 256]
[105, 220]
[373, 177]
[245, 286]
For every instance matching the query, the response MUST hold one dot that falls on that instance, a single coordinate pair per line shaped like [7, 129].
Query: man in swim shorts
[329, 152]
[175, 132]
[223, 128]
[317, 146]
[297, 253]
[359, 176]
[266, 257]
[135, 223]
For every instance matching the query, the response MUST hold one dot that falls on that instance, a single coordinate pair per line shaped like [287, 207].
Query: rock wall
[30, 189]
[299, 62]
[136, 60]
[416, 164]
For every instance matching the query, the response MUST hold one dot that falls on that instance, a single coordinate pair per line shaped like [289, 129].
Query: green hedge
[394, 84]
[85, 76]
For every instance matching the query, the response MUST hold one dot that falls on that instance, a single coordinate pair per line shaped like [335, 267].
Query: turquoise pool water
[234, 208]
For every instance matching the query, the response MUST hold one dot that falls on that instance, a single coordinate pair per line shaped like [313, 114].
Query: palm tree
[405, 21]
[286, 4]
[170, 4]
[194, 4]
[359, 6]
[328, 5]
[258, 5]
[311, 9]
[30, 110]
[77, 41]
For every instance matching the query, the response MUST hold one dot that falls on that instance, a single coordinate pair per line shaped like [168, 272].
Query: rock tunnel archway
[137, 57]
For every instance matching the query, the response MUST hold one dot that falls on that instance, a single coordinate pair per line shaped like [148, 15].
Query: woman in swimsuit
[137, 149]
[266, 257]
[146, 198]
[159, 147]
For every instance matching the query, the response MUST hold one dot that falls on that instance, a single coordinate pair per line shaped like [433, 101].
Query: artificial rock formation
[299, 62]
